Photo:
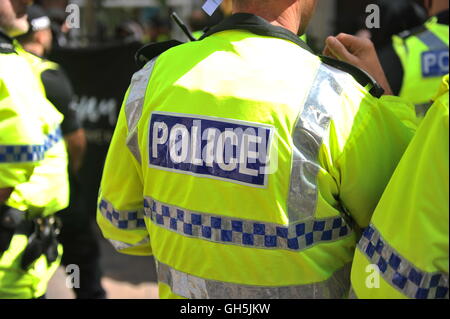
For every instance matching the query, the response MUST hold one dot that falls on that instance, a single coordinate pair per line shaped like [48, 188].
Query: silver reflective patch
[309, 132]
[135, 104]
[118, 245]
[431, 40]
[193, 287]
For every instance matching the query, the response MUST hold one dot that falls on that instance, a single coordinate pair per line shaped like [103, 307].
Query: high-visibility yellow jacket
[33, 161]
[407, 240]
[424, 55]
[38, 64]
[235, 160]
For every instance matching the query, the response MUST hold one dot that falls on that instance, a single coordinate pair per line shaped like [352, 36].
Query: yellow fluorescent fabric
[33, 161]
[238, 76]
[28, 118]
[413, 215]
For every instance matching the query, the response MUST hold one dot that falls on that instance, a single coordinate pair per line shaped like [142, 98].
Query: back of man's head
[39, 35]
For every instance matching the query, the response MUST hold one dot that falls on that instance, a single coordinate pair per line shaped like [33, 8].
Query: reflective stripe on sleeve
[29, 153]
[431, 40]
[122, 219]
[135, 104]
[399, 272]
[308, 135]
[189, 286]
[246, 233]
[118, 245]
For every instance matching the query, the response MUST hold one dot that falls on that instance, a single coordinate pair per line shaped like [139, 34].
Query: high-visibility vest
[33, 161]
[38, 65]
[404, 251]
[424, 55]
[243, 163]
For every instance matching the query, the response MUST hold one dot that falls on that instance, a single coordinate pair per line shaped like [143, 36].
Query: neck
[286, 17]
[438, 7]
[34, 48]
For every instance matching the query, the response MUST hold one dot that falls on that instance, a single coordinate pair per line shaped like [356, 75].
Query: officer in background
[404, 251]
[57, 87]
[418, 58]
[33, 168]
[241, 179]
[77, 236]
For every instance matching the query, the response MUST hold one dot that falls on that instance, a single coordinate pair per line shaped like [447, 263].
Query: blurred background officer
[416, 201]
[418, 58]
[77, 237]
[291, 168]
[33, 168]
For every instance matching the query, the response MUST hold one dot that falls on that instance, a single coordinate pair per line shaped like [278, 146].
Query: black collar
[443, 17]
[257, 25]
[6, 44]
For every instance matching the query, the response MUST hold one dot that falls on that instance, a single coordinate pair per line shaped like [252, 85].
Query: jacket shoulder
[151, 51]
[360, 76]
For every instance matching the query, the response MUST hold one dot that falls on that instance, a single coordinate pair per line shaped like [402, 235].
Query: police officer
[418, 58]
[241, 179]
[77, 230]
[404, 251]
[33, 168]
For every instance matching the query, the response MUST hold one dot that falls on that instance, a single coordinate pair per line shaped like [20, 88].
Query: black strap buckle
[42, 241]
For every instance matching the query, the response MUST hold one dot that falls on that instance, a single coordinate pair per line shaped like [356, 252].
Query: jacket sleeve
[120, 212]
[381, 131]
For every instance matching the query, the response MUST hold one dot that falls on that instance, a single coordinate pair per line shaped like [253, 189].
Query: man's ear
[38, 37]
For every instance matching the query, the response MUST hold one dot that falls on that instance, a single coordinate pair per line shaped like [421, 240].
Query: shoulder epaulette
[150, 51]
[361, 76]
[6, 48]
[414, 31]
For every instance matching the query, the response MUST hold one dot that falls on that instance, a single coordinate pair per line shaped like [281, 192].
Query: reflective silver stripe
[431, 40]
[122, 219]
[399, 272]
[118, 245]
[135, 104]
[308, 135]
[422, 109]
[246, 233]
[193, 287]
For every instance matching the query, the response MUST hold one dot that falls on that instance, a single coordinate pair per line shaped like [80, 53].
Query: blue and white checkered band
[228, 150]
[400, 272]
[247, 233]
[29, 153]
[133, 219]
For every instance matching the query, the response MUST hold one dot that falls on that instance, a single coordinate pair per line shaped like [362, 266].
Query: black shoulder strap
[150, 51]
[361, 76]
[414, 31]
[6, 44]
